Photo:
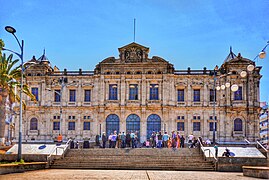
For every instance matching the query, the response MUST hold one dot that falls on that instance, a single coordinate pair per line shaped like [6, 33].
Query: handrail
[259, 144]
[55, 149]
[247, 141]
[209, 151]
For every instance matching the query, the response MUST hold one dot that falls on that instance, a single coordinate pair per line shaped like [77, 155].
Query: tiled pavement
[123, 175]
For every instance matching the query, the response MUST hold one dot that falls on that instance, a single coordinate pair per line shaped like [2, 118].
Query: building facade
[138, 93]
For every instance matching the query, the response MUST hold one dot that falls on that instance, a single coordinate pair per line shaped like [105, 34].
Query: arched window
[153, 124]
[133, 124]
[112, 124]
[238, 125]
[33, 124]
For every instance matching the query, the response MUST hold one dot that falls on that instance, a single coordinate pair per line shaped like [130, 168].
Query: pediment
[133, 45]
[133, 53]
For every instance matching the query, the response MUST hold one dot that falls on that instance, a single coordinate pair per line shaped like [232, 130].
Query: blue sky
[198, 33]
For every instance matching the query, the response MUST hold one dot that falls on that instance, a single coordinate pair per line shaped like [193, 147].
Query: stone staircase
[140, 158]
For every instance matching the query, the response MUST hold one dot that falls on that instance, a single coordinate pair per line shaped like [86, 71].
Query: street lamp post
[62, 81]
[13, 31]
[234, 88]
[214, 105]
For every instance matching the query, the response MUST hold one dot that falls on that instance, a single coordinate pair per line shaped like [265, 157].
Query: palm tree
[9, 79]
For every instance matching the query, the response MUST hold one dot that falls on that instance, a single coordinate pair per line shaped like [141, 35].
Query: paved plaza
[123, 175]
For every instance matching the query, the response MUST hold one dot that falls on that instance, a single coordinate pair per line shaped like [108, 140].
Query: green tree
[9, 79]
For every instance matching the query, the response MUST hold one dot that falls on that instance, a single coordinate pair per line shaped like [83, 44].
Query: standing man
[160, 138]
[104, 139]
[133, 139]
[216, 150]
[60, 139]
[123, 140]
[165, 140]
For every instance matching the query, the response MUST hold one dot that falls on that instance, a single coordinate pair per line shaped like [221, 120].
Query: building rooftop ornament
[230, 56]
[44, 58]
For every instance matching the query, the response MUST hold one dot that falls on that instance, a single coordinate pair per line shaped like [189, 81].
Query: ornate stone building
[138, 93]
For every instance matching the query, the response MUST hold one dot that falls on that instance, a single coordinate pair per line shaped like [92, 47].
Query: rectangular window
[194, 117]
[71, 125]
[154, 92]
[178, 117]
[238, 94]
[57, 96]
[196, 95]
[72, 95]
[180, 126]
[182, 117]
[87, 96]
[133, 92]
[211, 126]
[180, 95]
[86, 126]
[213, 97]
[35, 93]
[113, 92]
[56, 126]
[196, 126]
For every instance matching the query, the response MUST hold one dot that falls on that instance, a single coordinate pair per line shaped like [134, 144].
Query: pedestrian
[160, 138]
[114, 139]
[194, 142]
[133, 139]
[216, 150]
[119, 140]
[190, 138]
[153, 139]
[123, 140]
[226, 153]
[178, 140]
[182, 141]
[207, 142]
[165, 140]
[110, 140]
[128, 139]
[104, 139]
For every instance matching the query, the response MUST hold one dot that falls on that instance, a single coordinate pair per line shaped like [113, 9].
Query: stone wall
[25, 157]
[235, 164]
[19, 168]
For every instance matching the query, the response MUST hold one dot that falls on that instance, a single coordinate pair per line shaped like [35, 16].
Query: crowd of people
[120, 140]
[156, 140]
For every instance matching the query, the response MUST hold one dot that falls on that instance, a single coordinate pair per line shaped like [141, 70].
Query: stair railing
[203, 150]
[64, 148]
[265, 150]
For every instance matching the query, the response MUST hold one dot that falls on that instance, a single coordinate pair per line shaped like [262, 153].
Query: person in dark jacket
[104, 139]
[182, 141]
[128, 139]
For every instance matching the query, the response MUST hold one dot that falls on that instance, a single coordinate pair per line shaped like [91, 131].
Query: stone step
[135, 163]
[131, 166]
[157, 159]
[105, 159]
[138, 151]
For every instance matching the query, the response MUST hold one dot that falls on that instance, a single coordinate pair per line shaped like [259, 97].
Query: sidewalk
[124, 175]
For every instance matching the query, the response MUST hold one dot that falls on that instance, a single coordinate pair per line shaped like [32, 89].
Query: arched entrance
[112, 124]
[133, 124]
[153, 124]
